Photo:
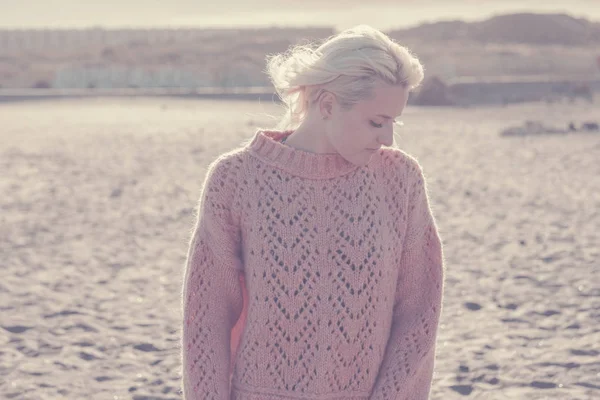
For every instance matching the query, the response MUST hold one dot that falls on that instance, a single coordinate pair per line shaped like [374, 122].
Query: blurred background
[111, 111]
[474, 51]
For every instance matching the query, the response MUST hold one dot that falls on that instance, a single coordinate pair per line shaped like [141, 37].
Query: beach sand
[97, 208]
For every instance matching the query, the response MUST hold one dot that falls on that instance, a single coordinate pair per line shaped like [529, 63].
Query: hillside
[520, 28]
[504, 45]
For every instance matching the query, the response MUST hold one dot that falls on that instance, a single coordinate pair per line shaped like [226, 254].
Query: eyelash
[399, 123]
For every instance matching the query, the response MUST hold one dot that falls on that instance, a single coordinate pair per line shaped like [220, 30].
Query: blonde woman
[315, 269]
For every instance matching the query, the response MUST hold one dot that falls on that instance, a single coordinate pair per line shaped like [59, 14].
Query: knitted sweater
[309, 277]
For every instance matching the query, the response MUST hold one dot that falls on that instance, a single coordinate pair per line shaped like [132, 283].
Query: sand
[97, 208]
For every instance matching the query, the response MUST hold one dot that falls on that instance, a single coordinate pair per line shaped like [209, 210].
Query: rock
[462, 389]
[543, 385]
[473, 306]
[532, 128]
[116, 192]
[434, 92]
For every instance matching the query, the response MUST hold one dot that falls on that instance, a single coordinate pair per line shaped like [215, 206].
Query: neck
[267, 145]
[310, 137]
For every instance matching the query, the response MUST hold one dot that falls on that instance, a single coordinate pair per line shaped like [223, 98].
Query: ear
[326, 104]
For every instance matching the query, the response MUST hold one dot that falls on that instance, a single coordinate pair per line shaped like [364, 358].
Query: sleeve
[213, 291]
[406, 371]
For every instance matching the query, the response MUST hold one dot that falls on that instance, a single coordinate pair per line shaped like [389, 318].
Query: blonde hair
[347, 64]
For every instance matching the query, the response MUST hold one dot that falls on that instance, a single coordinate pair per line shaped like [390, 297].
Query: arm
[406, 371]
[212, 295]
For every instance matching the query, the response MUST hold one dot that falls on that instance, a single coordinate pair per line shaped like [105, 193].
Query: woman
[315, 269]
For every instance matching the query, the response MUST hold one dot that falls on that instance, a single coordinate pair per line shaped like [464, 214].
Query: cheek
[354, 131]
[347, 124]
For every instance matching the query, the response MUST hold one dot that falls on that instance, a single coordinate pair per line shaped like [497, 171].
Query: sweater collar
[267, 146]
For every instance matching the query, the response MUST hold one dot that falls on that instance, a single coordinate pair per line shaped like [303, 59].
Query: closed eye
[399, 123]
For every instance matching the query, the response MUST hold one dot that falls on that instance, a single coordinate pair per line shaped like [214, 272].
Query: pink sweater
[308, 277]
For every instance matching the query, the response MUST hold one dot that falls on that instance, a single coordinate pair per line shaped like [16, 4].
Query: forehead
[387, 99]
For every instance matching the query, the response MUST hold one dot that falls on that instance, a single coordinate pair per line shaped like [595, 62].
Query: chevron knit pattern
[310, 278]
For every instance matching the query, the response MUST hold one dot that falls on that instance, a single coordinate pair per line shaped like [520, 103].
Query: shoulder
[222, 174]
[402, 164]
[226, 166]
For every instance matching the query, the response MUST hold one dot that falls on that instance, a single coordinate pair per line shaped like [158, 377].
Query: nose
[387, 139]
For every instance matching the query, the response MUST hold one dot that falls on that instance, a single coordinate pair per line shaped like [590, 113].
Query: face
[366, 125]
